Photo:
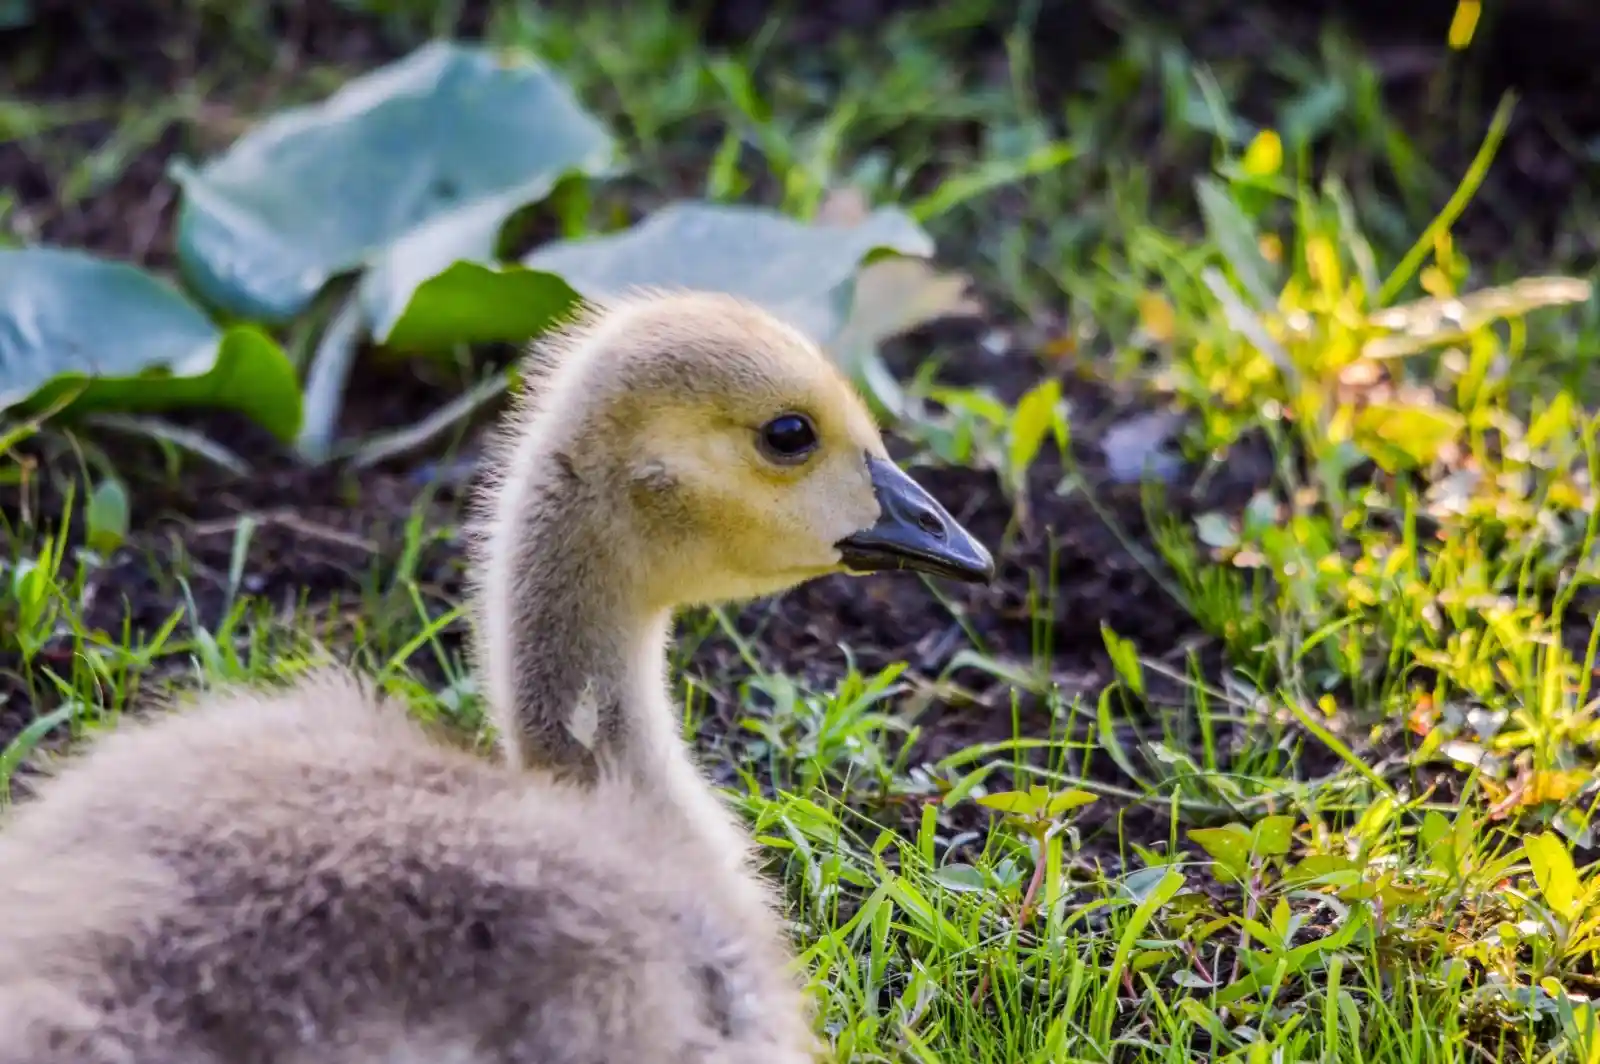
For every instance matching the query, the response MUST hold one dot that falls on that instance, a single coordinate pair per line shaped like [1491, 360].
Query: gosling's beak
[913, 532]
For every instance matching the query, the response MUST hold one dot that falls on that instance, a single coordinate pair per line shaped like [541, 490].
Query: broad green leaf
[471, 302]
[1324, 870]
[1553, 871]
[111, 336]
[1400, 436]
[435, 248]
[1271, 836]
[1229, 847]
[1437, 840]
[406, 169]
[804, 273]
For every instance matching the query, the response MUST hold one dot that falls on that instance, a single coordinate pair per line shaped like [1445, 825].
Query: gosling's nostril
[929, 522]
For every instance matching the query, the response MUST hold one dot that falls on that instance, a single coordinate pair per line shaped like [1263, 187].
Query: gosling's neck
[575, 659]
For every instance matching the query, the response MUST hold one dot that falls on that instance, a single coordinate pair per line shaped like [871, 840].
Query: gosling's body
[311, 878]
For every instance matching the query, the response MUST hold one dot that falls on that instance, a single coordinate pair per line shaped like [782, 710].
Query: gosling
[312, 877]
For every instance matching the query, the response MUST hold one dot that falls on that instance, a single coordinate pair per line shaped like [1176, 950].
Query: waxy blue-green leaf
[406, 169]
[114, 336]
[801, 271]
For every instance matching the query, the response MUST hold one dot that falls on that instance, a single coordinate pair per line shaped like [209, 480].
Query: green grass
[1352, 842]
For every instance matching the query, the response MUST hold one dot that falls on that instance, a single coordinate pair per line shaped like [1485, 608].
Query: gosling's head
[727, 454]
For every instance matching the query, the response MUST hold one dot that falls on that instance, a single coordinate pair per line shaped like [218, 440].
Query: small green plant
[819, 738]
[978, 429]
[1425, 516]
[32, 601]
[1550, 933]
[107, 516]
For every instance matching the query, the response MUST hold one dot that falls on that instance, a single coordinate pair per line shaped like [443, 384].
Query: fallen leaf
[1216, 530]
[1137, 445]
[895, 295]
[892, 295]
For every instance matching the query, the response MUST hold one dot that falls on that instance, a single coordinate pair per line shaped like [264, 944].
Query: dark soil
[328, 538]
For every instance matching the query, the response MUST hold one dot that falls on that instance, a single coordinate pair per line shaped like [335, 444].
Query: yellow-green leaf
[1438, 840]
[1553, 871]
[1325, 870]
[1066, 801]
[1031, 421]
[1399, 436]
[1555, 420]
[1125, 658]
[1272, 835]
[1017, 803]
[1229, 847]
[1264, 157]
[1464, 23]
[107, 516]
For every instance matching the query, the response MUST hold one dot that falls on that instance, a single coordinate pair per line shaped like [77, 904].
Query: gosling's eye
[789, 438]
